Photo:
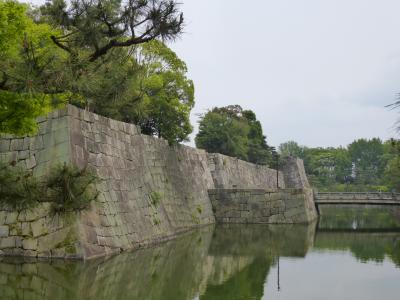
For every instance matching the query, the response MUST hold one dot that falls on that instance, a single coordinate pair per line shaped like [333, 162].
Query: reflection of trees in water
[359, 217]
[364, 246]
[259, 246]
[248, 283]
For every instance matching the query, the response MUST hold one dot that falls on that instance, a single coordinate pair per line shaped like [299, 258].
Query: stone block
[30, 244]
[39, 228]
[54, 240]
[23, 154]
[7, 242]
[8, 157]
[43, 156]
[60, 123]
[15, 229]
[4, 231]
[4, 145]
[2, 216]
[11, 217]
[38, 143]
[30, 163]
[26, 229]
[17, 145]
[44, 254]
[58, 253]
[44, 127]
[60, 136]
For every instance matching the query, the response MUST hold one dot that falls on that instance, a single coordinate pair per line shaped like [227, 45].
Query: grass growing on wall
[155, 198]
[18, 188]
[67, 187]
[71, 188]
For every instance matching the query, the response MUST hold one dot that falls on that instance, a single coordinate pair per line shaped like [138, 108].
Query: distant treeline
[364, 165]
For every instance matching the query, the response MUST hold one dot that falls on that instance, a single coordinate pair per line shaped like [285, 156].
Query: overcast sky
[317, 72]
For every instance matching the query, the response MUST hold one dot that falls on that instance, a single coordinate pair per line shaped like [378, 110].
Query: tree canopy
[99, 26]
[28, 60]
[361, 166]
[105, 56]
[234, 132]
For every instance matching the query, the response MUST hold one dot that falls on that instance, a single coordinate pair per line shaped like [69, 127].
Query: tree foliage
[28, 59]
[366, 156]
[234, 132]
[163, 95]
[99, 26]
[362, 166]
[18, 188]
[104, 56]
[291, 148]
[71, 189]
[66, 187]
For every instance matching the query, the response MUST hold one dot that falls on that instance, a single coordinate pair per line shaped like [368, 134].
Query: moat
[225, 262]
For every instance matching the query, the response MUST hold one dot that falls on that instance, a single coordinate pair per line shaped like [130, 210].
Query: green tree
[291, 148]
[28, 59]
[235, 132]
[258, 150]
[392, 166]
[366, 157]
[167, 94]
[85, 53]
[220, 133]
[93, 29]
[363, 165]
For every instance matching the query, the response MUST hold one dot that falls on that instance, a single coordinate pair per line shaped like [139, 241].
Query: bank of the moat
[149, 191]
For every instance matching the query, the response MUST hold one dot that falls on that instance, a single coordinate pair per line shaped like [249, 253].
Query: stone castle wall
[257, 206]
[295, 174]
[229, 172]
[149, 191]
[36, 232]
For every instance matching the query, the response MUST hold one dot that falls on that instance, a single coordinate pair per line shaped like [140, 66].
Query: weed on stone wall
[18, 188]
[155, 198]
[71, 189]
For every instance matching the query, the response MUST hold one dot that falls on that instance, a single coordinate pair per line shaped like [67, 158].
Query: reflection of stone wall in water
[194, 264]
[352, 217]
[150, 191]
[174, 271]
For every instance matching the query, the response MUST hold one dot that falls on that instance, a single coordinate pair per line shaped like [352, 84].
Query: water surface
[225, 262]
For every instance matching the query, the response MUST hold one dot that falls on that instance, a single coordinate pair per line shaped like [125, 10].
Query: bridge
[368, 198]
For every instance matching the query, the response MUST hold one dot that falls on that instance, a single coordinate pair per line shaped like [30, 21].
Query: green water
[225, 262]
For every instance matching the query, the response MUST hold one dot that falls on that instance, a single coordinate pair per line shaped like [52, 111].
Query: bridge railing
[357, 196]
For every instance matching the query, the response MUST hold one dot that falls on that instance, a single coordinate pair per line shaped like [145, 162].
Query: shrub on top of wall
[18, 188]
[71, 189]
